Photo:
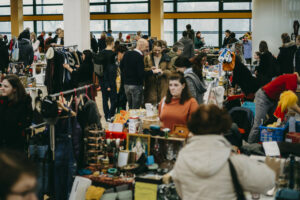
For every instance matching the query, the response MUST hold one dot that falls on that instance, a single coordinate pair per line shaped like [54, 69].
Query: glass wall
[239, 26]
[208, 27]
[98, 26]
[169, 31]
[129, 27]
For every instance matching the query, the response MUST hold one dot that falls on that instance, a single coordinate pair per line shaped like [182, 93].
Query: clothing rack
[52, 126]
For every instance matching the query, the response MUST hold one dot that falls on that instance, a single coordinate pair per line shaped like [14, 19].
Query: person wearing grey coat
[189, 49]
[196, 87]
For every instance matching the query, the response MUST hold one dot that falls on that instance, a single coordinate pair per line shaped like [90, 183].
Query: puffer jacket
[25, 51]
[286, 57]
[156, 86]
[202, 172]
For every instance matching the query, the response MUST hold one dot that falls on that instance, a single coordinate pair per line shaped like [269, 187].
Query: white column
[270, 19]
[77, 23]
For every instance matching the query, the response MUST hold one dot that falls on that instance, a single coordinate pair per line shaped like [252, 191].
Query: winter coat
[297, 59]
[196, 86]
[201, 171]
[156, 86]
[199, 43]
[94, 45]
[83, 75]
[25, 51]
[266, 69]
[191, 34]
[14, 119]
[225, 41]
[243, 78]
[188, 50]
[286, 57]
[4, 59]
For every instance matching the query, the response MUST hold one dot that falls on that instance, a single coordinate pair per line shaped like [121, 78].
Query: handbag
[15, 53]
[237, 186]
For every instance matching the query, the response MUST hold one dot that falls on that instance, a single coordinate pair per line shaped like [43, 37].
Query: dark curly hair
[197, 65]
[185, 94]
[209, 119]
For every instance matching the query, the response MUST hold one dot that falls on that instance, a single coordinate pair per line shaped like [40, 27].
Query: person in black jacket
[297, 55]
[226, 38]
[108, 83]
[42, 42]
[83, 75]
[266, 69]
[286, 54]
[102, 42]
[16, 113]
[190, 32]
[243, 78]
[25, 48]
[4, 57]
[94, 44]
[132, 69]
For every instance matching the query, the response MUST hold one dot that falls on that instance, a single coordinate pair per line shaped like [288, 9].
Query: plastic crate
[250, 105]
[272, 134]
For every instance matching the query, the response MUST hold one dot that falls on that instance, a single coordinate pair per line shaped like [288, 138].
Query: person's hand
[66, 66]
[108, 89]
[166, 178]
[77, 66]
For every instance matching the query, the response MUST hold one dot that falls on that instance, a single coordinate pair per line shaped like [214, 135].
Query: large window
[129, 27]
[5, 29]
[208, 27]
[49, 26]
[239, 26]
[169, 31]
[128, 7]
[238, 6]
[28, 24]
[98, 26]
[191, 6]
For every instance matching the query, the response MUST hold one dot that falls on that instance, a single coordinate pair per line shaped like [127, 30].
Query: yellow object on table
[94, 193]
[145, 191]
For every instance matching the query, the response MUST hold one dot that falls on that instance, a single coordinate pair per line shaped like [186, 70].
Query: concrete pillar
[157, 19]
[16, 12]
[270, 19]
[77, 23]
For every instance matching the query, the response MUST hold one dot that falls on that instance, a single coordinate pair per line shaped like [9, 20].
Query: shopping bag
[15, 52]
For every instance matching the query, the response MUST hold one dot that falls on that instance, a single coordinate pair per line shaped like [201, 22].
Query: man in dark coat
[42, 41]
[226, 38]
[188, 50]
[4, 60]
[25, 48]
[286, 54]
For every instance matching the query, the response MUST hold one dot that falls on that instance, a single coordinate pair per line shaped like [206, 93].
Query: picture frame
[138, 143]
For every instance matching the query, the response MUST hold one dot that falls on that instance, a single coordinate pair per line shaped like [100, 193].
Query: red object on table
[115, 135]
[234, 97]
[292, 137]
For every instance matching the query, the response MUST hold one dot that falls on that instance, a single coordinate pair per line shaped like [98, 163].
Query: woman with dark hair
[267, 67]
[194, 78]
[206, 161]
[178, 105]
[83, 75]
[199, 41]
[18, 177]
[16, 113]
[156, 84]
[286, 54]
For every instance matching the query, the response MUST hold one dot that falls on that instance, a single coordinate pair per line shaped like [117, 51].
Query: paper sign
[123, 159]
[145, 191]
[271, 149]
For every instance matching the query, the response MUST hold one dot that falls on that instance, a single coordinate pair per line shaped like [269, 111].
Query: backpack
[99, 62]
[244, 119]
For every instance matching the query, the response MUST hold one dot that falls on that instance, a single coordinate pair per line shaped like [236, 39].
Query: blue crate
[249, 105]
[268, 134]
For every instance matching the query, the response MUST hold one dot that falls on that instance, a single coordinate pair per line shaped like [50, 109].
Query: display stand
[52, 125]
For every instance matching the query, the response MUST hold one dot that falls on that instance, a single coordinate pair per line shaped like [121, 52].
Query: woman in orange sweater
[178, 105]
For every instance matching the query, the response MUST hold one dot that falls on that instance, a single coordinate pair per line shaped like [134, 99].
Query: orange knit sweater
[175, 113]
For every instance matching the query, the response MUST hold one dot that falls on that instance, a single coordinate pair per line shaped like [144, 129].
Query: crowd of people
[170, 79]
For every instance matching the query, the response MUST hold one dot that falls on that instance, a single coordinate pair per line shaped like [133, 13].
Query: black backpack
[99, 62]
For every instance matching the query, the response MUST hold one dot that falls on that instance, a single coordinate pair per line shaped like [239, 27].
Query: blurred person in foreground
[206, 167]
[18, 177]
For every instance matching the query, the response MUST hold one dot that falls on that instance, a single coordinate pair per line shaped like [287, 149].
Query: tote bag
[15, 53]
